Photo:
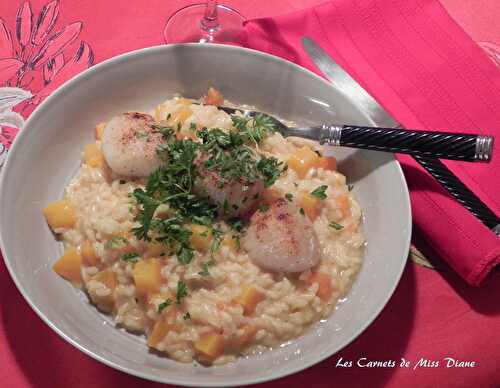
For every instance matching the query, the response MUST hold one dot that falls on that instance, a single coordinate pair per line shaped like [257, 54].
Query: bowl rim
[313, 359]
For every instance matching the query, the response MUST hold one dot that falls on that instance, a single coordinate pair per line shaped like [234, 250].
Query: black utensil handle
[455, 146]
[459, 191]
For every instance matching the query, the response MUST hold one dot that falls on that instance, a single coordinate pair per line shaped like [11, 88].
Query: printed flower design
[35, 60]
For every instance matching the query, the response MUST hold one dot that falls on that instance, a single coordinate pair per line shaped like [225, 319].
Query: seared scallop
[233, 197]
[129, 144]
[281, 239]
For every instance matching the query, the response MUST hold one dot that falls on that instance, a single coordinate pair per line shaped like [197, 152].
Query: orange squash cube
[231, 243]
[247, 335]
[154, 249]
[109, 279]
[327, 163]
[180, 116]
[60, 214]
[153, 300]
[93, 156]
[302, 160]
[184, 101]
[210, 345]
[344, 204]
[249, 298]
[186, 135]
[89, 255]
[214, 97]
[69, 266]
[99, 130]
[201, 237]
[311, 205]
[325, 287]
[147, 276]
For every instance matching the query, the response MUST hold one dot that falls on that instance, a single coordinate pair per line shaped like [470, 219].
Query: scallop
[234, 198]
[129, 144]
[281, 239]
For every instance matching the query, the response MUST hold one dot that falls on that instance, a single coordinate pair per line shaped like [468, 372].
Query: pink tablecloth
[432, 314]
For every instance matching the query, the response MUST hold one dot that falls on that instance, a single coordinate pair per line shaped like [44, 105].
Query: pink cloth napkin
[428, 74]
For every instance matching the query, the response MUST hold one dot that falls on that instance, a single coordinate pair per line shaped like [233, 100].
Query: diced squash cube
[210, 345]
[160, 330]
[89, 255]
[180, 116]
[325, 287]
[147, 276]
[184, 101]
[311, 205]
[154, 249]
[302, 160]
[60, 214]
[93, 156]
[248, 334]
[214, 97]
[201, 237]
[186, 135]
[344, 204]
[231, 242]
[69, 266]
[109, 279]
[327, 163]
[249, 298]
[156, 299]
[99, 130]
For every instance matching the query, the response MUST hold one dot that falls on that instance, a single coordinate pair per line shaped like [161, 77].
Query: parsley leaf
[182, 291]
[264, 208]
[271, 169]
[350, 187]
[205, 267]
[132, 257]
[186, 316]
[141, 135]
[115, 242]
[162, 306]
[320, 192]
[289, 196]
[335, 226]
[148, 206]
[301, 211]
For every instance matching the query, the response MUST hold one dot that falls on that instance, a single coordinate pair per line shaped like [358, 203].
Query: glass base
[185, 26]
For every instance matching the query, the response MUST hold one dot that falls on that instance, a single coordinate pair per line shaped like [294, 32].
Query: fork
[443, 145]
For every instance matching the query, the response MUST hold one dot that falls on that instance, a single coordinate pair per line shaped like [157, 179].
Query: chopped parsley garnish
[320, 192]
[182, 291]
[141, 135]
[167, 132]
[205, 267]
[162, 306]
[132, 257]
[301, 211]
[271, 169]
[115, 242]
[122, 181]
[335, 226]
[289, 196]
[237, 224]
[350, 187]
[186, 316]
[217, 235]
[228, 156]
[264, 208]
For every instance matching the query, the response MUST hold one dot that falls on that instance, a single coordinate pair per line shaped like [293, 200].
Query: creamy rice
[104, 209]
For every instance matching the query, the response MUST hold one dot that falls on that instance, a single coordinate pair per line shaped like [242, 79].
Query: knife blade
[356, 93]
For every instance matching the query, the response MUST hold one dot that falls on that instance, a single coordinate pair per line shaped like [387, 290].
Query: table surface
[407, 328]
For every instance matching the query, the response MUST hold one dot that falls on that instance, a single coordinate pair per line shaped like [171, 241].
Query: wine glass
[208, 22]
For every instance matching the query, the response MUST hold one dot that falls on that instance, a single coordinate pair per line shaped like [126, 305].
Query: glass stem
[210, 22]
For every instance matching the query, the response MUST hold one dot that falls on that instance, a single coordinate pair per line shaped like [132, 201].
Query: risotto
[211, 234]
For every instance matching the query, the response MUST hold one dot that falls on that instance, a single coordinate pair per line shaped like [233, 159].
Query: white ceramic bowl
[46, 155]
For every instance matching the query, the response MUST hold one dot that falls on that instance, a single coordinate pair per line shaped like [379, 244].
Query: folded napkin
[428, 74]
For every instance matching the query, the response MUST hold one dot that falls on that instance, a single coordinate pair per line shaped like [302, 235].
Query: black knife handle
[459, 191]
[454, 146]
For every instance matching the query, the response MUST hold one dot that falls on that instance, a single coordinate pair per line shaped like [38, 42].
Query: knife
[355, 92]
